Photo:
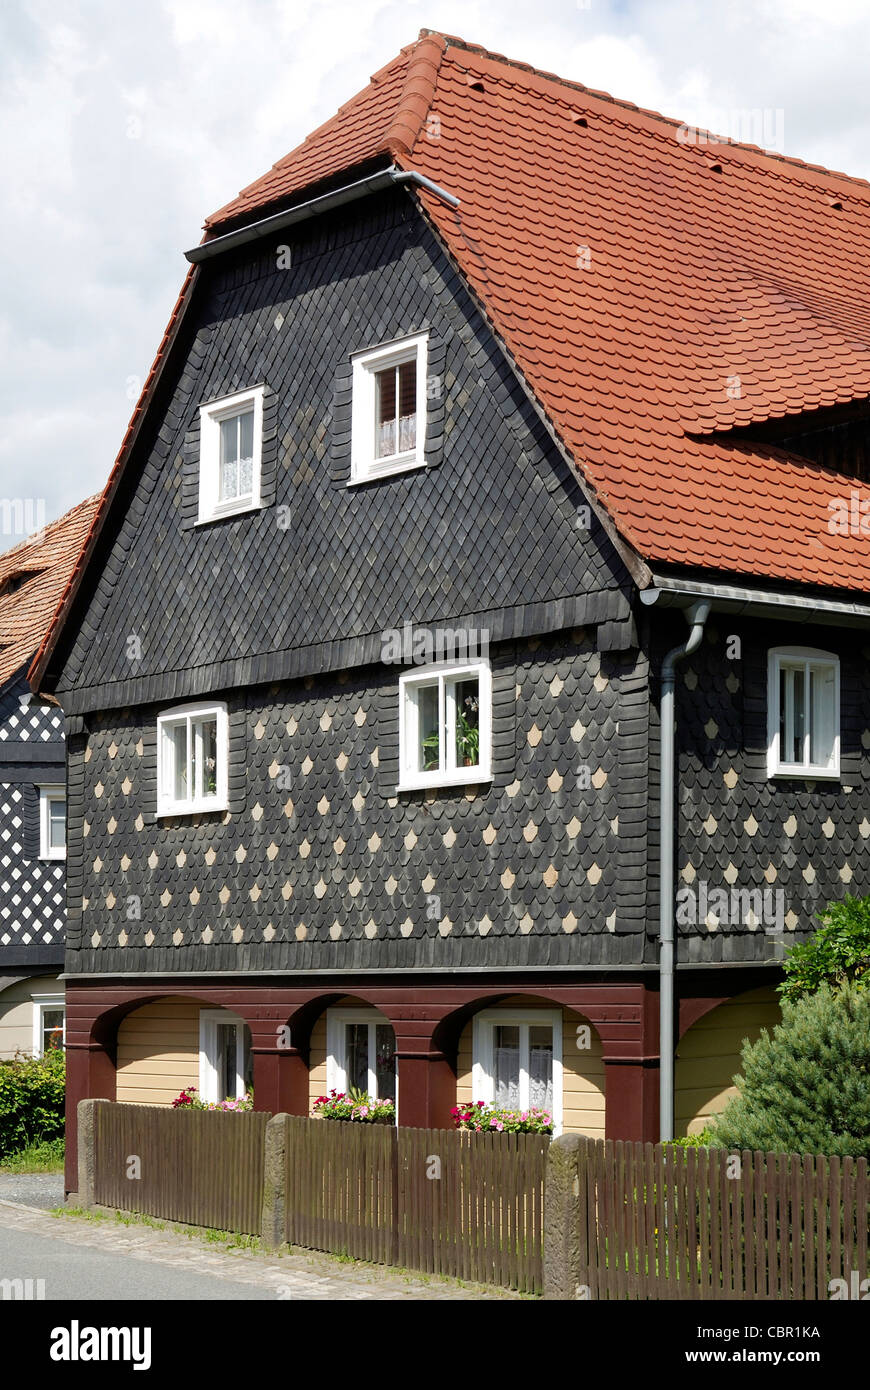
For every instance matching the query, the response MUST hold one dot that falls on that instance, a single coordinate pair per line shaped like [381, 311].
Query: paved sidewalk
[33, 1189]
[200, 1270]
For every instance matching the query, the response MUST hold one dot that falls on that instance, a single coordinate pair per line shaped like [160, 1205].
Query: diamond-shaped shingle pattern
[656, 293]
[319, 855]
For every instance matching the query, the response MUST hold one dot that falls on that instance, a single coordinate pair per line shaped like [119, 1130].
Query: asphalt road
[80, 1272]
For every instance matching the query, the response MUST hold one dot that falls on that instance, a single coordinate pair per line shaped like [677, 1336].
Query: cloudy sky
[125, 122]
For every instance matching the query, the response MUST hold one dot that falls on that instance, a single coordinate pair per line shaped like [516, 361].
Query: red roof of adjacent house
[656, 294]
[33, 575]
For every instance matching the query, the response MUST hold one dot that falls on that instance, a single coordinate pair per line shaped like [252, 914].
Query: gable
[488, 527]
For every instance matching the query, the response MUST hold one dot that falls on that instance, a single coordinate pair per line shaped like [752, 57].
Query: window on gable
[389, 409]
[231, 436]
[192, 757]
[52, 823]
[803, 713]
[445, 725]
[518, 1060]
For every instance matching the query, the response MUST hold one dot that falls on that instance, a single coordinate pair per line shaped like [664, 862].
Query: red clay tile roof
[33, 575]
[653, 304]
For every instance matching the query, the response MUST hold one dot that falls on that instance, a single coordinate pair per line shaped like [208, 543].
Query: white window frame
[809, 657]
[365, 366]
[483, 1044]
[208, 1063]
[49, 792]
[167, 805]
[41, 1005]
[336, 1071]
[210, 417]
[410, 777]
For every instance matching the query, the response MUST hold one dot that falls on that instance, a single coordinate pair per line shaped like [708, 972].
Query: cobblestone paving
[295, 1275]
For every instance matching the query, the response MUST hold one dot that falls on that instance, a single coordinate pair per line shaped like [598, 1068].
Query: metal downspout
[697, 616]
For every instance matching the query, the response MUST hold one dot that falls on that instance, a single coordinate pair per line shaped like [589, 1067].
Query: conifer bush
[805, 1087]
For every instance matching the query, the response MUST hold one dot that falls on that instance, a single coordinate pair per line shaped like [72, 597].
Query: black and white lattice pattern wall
[32, 889]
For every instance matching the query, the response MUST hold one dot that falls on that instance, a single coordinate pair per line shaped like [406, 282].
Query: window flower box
[355, 1106]
[481, 1118]
[189, 1100]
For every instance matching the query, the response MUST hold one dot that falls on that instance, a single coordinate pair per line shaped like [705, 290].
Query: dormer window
[803, 713]
[231, 446]
[389, 409]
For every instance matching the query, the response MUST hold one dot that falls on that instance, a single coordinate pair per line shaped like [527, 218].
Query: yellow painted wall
[582, 1073]
[158, 1051]
[708, 1056]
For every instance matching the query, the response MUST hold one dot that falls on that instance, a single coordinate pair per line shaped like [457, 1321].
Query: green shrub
[31, 1101]
[703, 1140]
[805, 1088]
[838, 951]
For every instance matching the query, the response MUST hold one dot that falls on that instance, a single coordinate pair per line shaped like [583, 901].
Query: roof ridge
[452, 41]
[424, 61]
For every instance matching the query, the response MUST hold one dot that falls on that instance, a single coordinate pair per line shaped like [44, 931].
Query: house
[497, 418]
[33, 575]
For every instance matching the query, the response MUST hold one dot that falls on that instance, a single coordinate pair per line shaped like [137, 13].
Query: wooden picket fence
[203, 1167]
[671, 1223]
[435, 1200]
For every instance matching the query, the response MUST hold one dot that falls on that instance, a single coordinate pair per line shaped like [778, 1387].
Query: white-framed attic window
[517, 1060]
[192, 759]
[445, 725]
[230, 455]
[52, 822]
[803, 710]
[388, 412]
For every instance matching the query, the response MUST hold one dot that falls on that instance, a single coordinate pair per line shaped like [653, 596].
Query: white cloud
[125, 125]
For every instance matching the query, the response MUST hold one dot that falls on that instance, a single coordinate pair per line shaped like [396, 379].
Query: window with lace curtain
[231, 436]
[518, 1060]
[389, 409]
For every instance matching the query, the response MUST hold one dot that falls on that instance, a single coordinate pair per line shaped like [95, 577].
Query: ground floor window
[361, 1053]
[518, 1060]
[225, 1062]
[49, 1023]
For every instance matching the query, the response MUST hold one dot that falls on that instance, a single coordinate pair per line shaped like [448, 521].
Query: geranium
[480, 1117]
[190, 1100]
[356, 1106]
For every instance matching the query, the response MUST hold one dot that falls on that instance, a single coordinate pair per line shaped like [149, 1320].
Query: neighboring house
[362, 662]
[33, 576]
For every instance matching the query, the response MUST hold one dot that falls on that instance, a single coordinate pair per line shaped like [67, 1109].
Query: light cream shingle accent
[320, 888]
[574, 827]
[593, 873]
[551, 876]
[307, 765]
[534, 736]
[360, 717]
[165, 898]
[530, 832]
[508, 878]
[569, 923]
[323, 805]
[371, 929]
[339, 845]
[224, 894]
[490, 834]
[153, 860]
[342, 761]
[449, 838]
[406, 927]
[326, 721]
[210, 856]
[410, 840]
[526, 923]
[287, 891]
[555, 779]
[335, 930]
[194, 896]
[374, 842]
[354, 887]
[259, 729]
[484, 926]
[291, 726]
[428, 884]
[304, 850]
[358, 802]
[271, 851]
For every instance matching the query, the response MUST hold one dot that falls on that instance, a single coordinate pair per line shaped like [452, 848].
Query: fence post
[561, 1218]
[274, 1183]
[86, 1120]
